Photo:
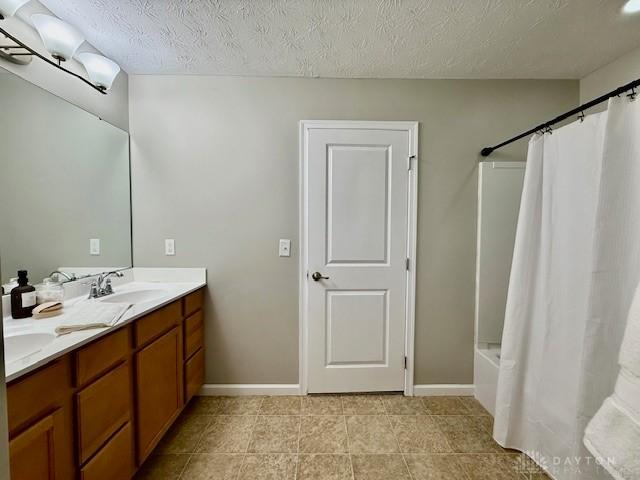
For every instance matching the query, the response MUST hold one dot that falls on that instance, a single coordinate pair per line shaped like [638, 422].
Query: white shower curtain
[575, 267]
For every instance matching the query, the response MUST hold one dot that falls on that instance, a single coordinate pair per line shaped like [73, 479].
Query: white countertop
[177, 284]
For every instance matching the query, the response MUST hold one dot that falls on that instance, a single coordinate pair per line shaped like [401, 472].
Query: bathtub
[485, 375]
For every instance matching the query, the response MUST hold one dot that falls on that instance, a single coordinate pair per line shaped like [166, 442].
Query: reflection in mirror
[64, 180]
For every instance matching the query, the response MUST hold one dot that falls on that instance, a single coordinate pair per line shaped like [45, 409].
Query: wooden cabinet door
[33, 452]
[159, 389]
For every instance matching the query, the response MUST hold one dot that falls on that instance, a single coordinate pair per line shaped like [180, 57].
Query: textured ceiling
[357, 38]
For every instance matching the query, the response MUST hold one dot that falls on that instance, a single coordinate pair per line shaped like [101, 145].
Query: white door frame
[412, 200]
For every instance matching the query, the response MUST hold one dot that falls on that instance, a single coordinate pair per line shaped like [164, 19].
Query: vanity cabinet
[98, 412]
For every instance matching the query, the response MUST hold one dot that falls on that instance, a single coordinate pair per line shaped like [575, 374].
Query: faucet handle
[93, 290]
[108, 288]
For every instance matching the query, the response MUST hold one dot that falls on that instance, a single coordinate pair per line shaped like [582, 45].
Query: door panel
[357, 196]
[357, 204]
[349, 314]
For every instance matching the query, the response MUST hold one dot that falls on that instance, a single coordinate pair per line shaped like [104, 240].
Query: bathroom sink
[23, 345]
[137, 296]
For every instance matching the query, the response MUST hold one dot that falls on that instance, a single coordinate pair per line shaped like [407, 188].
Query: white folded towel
[92, 315]
[613, 434]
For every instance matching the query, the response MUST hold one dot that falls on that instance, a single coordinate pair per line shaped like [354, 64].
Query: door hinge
[405, 362]
[408, 264]
[411, 157]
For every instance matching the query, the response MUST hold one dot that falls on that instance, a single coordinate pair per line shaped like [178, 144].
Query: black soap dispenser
[23, 297]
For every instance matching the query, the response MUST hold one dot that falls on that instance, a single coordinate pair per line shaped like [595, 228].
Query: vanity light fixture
[62, 41]
[632, 6]
[8, 8]
[101, 70]
[59, 38]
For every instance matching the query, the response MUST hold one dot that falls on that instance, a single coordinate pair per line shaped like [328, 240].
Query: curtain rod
[485, 152]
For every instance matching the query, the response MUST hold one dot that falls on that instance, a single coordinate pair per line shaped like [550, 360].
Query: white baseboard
[211, 389]
[443, 390]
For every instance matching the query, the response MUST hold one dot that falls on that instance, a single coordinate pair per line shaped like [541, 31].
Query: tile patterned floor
[347, 437]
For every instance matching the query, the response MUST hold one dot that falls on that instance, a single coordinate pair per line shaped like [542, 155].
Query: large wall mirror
[64, 180]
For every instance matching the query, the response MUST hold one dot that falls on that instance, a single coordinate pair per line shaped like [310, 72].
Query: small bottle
[7, 287]
[23, 297]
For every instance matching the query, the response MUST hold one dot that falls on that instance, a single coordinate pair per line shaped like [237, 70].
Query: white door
[358, 198]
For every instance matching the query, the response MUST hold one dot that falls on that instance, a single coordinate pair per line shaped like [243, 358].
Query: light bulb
[101, 70]
[8, 8]
[59, 38]
[632, 6]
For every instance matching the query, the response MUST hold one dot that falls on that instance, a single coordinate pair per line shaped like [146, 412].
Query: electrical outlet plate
[169, 246]
[284, 249]
[94, 246]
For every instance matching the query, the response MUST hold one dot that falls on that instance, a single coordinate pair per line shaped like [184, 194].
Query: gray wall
[112, 107]
[622, 70]
[215, 166]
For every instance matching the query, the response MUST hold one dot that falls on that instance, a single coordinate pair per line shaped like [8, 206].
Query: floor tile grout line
[210, 419]
[184, 467]
[190, 454]
[246, 450]
[444, 437]
[346, 432]
[344, 413]
[442, 432]
[393, 432]
[461, 403]
[295, 476]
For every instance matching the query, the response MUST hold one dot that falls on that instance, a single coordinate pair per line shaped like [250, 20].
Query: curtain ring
[581, 117]
[632, 95]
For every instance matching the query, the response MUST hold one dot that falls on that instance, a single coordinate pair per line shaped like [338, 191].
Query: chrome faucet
[101, 286]
[58, 273]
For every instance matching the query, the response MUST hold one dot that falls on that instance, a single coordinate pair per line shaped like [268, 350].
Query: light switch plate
[94, 246]
[169, 246]
[284, 249]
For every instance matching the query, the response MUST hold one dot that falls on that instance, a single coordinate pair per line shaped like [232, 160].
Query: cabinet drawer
[194, 374]
[37, 393]
[101, 355]
[103, 407]
[114, 460]
[193, 302]
[157, 323]
[193, 334]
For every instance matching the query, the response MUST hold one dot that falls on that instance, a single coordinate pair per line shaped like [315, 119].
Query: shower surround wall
[215, 166]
